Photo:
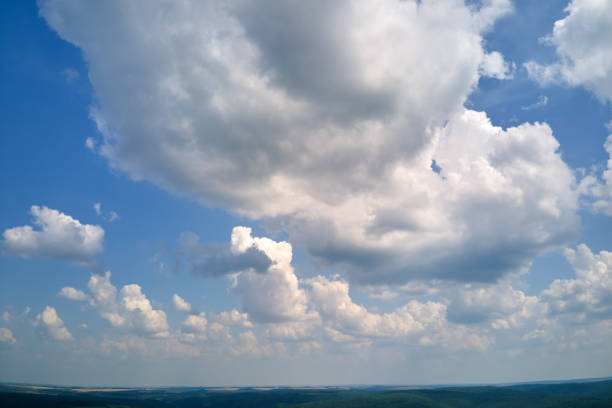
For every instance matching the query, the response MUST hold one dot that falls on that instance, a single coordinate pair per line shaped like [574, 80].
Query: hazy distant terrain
[571, 394]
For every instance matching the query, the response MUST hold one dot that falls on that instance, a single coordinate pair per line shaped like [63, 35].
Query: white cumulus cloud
[59, 236]
[180, 304]
[323, 119]
[583, 46]
[234, 318]
[598, 190]
[72, 293]
[6, 336]
[493, 65]
[275, 295]
[590, 292]
[53, 324]
[129, 309]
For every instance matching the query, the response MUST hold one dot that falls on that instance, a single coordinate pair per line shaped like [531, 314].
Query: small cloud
[494, 66]
[6, 316]
[53, 324]
[112, 216]
[72, 294]
[180, 304]
[71, 75]
[234, 318]
[384, 295]
[90, 143]
[6, 336]
[131, 309]
[195, 323]
[542, 101]
[59, 236]
[83, 326]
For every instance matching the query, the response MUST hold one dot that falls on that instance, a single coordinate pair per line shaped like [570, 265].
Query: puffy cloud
[469, 316]
[599, 190]
[557, 315]
[501, 305]
[213, 336]
[332, 300]
[423, 323]
[500, 198]
[590, 293]
[53, 324]
[493, 65]
[131, 309]
[249, 344]
[583, 46]
[293, 331]
[60, 236]
[6, 336]
[196, 323]
[180, 304]
[97, 208]
[72, 293]
[136, 303]
[273, 296]
[6, 316]
[489, 11]
[323, 118]
[234, 318]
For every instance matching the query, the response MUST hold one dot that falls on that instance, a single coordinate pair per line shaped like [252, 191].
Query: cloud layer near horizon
[283, 314]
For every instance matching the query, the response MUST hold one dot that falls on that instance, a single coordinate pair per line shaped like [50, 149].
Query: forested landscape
[595, 393]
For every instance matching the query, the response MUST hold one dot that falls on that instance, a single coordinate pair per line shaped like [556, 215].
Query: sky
[296, 193]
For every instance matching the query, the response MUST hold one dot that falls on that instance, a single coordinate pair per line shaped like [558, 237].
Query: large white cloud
[323, 118]
[60, 236]
[500, 198]
[53, 324]
[583, 46]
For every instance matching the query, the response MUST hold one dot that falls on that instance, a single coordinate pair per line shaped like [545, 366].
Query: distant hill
[595, 393]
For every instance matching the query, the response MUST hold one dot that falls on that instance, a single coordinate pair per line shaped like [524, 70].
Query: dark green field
[567, 394]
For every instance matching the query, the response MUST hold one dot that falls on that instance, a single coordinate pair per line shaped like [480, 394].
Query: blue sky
[258, 182]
